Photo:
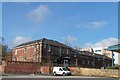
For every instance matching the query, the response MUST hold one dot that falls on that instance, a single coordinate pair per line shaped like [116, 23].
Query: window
[99, 59]
[65, 69]
[83, 62]
[88, 62]
[93, 63]
[75, 55]
[44, 45]
[35, 48]
[76, 62]
[24, 58]
[15, 52]
[15, 58]
[107, 54]
[35, 58]
[97, 50]
[67, 51]
[106, 49]
[24, 50]
[82, 52]
[60, 69]
[60, 51]
[49, 48]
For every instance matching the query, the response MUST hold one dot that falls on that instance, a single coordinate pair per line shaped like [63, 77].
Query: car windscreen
[65, 69]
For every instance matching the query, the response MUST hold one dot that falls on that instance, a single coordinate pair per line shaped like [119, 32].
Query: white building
[106, 52]
[117, 58]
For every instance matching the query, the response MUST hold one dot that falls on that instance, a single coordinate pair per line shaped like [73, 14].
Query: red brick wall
[26, 67]
[29, 53]
[45, 69]
[22, 67]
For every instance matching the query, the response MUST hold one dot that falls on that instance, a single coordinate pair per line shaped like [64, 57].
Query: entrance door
[65, 62]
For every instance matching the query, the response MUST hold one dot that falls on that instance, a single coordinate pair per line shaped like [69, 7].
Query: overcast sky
[87, 24]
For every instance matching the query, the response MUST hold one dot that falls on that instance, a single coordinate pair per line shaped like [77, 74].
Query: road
[55, 78]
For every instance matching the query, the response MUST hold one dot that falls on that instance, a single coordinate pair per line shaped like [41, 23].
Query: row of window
[35, 49]
[87, 62]
[24, 58]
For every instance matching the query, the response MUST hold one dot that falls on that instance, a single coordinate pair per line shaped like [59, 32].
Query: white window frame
[35, 48]
[25, 49]
[49, 48]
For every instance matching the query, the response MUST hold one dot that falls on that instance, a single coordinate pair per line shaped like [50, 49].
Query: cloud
[19, 39]
[92, 25]
[39, 14]
[103, 43]
[69, 39]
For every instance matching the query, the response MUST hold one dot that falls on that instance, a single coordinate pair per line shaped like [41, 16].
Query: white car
[61, 71]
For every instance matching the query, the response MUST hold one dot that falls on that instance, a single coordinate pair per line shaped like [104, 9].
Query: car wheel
[54, 73]
[64, 74]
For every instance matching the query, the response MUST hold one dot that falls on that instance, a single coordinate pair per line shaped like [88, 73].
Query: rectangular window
[93, 63]
[99, 59]
[49, 48]
[97, 50]
[35, 48]
[60, 51]
[83, 62]
[35, 58]
[75, 55]
[24, 50]
[44, 45]
[67, 51]
[15, 52]
[88, 62]
[15, 58]
[60, 69]
[24, 58]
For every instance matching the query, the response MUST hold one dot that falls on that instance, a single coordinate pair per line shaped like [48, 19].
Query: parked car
[61, 71]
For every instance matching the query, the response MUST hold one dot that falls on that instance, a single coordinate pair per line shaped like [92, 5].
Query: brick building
[53, 53]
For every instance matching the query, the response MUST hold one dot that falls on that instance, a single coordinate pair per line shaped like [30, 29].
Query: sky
[84, 24]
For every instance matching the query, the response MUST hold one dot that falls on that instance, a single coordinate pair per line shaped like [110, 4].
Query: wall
[29, 53]
[2, 68]
[21, 67]
[30, 68]
[45, 70]
[26, 68]
[95, 72]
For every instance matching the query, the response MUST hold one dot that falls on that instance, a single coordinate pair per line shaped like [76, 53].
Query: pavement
[42, 77]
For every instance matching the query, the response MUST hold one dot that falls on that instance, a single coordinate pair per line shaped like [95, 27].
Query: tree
[8, 56]
[3, 51]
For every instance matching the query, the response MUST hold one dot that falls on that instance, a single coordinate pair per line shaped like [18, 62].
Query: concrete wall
[95, 72]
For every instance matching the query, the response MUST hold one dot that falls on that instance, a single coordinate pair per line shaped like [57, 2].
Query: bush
[112, 67]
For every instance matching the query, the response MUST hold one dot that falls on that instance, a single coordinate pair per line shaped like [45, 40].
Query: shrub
[112, 67]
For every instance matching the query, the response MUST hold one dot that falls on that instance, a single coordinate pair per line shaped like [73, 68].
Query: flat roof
[115, 48]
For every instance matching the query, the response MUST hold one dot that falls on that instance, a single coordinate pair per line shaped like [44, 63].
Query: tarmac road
[55, 78]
